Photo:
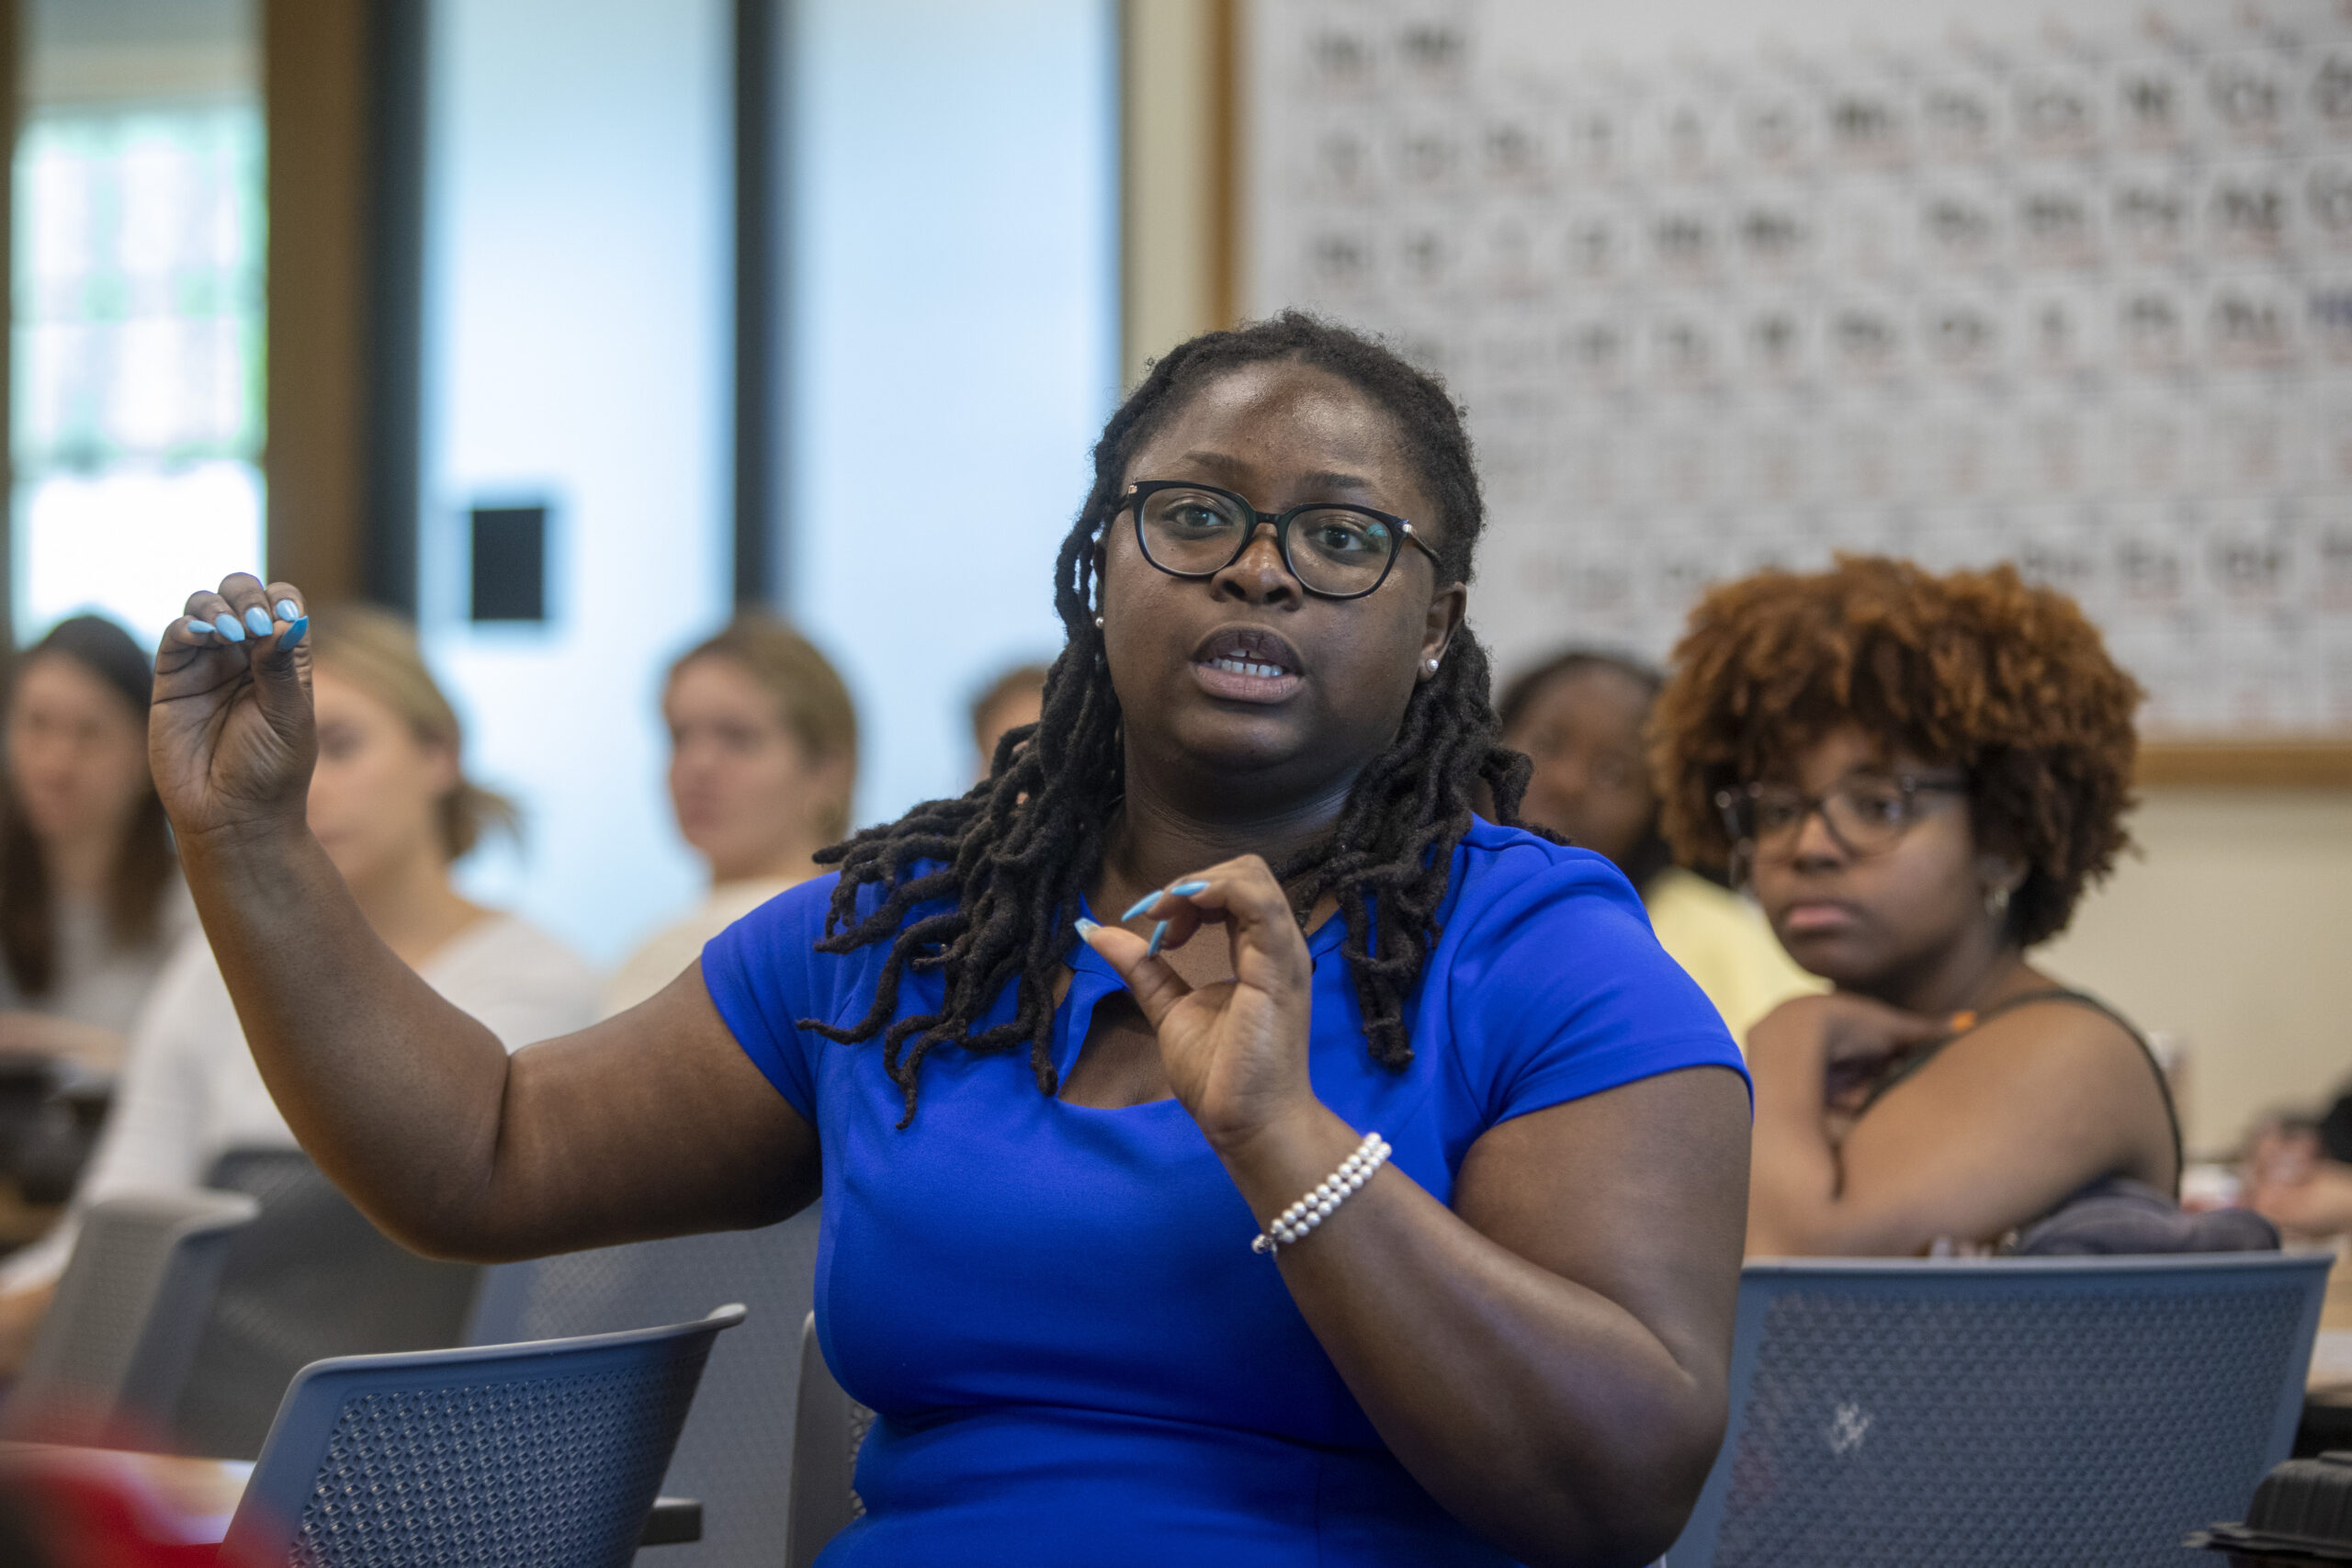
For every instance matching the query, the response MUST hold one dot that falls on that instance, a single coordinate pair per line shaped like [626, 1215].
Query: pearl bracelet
[1293, 1223]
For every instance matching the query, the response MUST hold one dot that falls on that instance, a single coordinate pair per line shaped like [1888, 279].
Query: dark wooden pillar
[343, 93]
[315, 81]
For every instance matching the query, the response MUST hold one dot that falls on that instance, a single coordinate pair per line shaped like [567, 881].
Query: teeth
[1243, 667]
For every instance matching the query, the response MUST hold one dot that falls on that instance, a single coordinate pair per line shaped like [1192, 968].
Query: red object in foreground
[102, 1508]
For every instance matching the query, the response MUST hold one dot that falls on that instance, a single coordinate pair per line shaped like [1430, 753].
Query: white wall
[955, 341]
[577, 348]
[2234, 929]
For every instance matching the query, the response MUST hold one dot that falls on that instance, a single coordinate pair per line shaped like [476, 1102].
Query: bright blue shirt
[1075, 1356]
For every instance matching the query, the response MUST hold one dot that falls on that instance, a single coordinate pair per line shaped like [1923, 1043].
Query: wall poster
[2069, 286]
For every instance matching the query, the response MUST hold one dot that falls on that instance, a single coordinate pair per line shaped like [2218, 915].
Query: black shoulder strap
[2054, 994]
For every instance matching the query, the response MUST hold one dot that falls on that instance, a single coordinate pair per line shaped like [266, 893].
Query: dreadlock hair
[1002, 869]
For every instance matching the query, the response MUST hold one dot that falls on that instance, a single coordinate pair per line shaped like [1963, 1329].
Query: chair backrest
[2084, 1411]
[116, 1343]
[310, 1278]
[520, 1455]
[830, 1429]
[737, 1449]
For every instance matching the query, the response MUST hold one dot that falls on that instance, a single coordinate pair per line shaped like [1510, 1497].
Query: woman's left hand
[1235, 1052]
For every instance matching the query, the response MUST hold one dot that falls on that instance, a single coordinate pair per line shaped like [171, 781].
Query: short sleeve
[1561, 991]
[764, 979]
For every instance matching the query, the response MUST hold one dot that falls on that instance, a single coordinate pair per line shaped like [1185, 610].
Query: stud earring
[1432, 666]
[1098, 623]
[1996, 902]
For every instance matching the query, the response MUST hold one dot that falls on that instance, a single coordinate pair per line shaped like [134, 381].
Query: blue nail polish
[288, 610]
[1159, 934]
[293, 634]
[258, 621]
[1140, 905]
[228, 626]
[1085, 928]
[1186, 889]
[198, 628]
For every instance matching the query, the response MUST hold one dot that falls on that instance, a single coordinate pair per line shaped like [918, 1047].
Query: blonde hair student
[763, 763]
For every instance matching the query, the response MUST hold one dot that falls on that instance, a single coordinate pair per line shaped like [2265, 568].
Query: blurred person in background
[2298, 1174]
[1013, 701]
[1921, 774]
[1582, 716]
[391, 803]
[91, 904]
[762, 766]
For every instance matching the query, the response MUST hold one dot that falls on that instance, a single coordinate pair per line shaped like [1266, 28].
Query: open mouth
[1247, 664]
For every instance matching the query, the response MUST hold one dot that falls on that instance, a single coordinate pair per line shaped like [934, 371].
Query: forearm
[1798, 1204]
[1541, 1414]
[394, 1091]
[1793, 1187]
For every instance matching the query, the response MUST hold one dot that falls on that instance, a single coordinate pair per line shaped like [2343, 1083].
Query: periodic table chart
[2066, 286]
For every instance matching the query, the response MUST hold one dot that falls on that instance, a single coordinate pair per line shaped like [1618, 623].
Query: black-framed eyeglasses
[1866, 813]
[1336, 551]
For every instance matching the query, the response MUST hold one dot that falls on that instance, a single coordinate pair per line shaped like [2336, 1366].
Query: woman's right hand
[1850, 1042]
[231, 737]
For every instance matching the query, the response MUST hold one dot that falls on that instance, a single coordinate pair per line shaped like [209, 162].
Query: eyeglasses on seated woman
[1234, 1148]
[1919, 775]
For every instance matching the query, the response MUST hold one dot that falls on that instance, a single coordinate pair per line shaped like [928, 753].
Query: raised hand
[1235, 1052]
[230, 737]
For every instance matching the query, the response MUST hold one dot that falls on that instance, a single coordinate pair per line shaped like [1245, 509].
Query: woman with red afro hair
[1919, 774]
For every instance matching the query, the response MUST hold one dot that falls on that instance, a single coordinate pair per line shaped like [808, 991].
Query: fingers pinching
[213, 621]
[1150, 979]
[287, 606]
[242, 611]
[1174, 918]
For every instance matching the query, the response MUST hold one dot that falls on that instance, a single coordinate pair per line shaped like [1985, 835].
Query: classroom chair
[829, 1428]
[737, 1450]
[501, 1456]
[119, 1340]
[1960, 1412]
[310, 1278]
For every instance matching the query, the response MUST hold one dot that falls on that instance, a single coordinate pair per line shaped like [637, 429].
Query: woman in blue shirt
[1044, 1139]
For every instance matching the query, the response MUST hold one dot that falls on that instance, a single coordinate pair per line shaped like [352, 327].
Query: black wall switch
[510, 550]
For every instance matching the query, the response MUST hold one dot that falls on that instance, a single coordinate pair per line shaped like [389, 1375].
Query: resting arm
[1549, 1357]
[1996, 1129]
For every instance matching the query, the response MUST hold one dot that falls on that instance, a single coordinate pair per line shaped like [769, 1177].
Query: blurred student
[90, 897]
[1921, 774]
[1013, 700]
[391, 802]
[763, 764]
[2299, 1177]
[1583, 717]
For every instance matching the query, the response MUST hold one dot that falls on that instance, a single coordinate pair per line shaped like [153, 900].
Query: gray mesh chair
[118, 1339]
[312, 1277]
[831, 1429]
[737, 1449]
[521, 1455]
[2083, 1411]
